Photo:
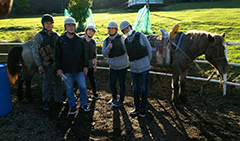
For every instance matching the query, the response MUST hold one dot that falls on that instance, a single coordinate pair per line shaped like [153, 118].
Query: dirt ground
[207, 115]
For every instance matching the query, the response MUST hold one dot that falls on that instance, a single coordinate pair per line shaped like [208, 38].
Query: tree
[21, 7]
[78, 9]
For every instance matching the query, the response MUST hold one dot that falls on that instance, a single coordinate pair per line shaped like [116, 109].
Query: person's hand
[85, 71]
[59, 72]
[95, 69]
[110, 45]
[41, 69]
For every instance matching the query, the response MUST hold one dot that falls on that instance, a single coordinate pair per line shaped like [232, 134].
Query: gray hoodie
[116, 63]
[143, 64]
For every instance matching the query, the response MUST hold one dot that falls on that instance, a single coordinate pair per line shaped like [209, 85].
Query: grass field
[222, 17]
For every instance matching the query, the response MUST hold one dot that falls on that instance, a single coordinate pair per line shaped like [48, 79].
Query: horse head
[215, 52]
[5, 7]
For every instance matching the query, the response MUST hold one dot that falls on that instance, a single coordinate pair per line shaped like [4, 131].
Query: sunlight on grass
[199, 16]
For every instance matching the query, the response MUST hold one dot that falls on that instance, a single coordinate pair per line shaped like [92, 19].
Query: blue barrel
[5, 95]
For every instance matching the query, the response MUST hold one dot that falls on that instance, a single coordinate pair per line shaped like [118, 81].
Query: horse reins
[214, 58]
[177, 48]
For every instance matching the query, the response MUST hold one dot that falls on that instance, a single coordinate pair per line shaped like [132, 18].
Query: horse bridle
[214, 58]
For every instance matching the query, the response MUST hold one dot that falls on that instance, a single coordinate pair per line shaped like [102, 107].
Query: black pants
[91, 76]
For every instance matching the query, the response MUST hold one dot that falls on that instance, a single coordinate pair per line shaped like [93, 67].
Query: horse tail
[13, 60]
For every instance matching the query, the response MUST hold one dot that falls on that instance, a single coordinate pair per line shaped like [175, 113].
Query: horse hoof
[176, 101]
[30, 98]
[183, 98]
[20, 98]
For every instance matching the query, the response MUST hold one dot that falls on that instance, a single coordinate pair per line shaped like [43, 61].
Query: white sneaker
[110, 101]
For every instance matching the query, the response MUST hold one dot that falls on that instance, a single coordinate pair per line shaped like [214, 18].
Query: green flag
[143, 21]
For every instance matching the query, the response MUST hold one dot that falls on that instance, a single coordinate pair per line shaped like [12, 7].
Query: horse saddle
[173, 32]
[160, 47]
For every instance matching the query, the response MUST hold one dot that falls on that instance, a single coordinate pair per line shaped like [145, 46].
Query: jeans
[46, 85]
[121, 75]
[144, 81]
[92, 80]
[80, 79]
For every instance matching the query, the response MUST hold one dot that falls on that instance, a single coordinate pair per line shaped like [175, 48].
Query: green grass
[222, 17]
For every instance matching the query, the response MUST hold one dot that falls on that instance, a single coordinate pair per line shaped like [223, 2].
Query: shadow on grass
[14, 28]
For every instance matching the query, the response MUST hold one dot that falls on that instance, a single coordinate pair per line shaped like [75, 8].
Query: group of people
[74, 57]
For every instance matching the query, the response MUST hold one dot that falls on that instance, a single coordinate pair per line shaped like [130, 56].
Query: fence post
[225, 75]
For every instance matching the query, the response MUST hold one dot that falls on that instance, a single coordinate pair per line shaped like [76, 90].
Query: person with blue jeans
[140, 54]
[43, 54]
[113, 48]
[71, 60]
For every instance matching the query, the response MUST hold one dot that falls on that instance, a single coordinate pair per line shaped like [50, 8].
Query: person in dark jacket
[71, 60]
[140, 53]
[92, 57]
[43, 54]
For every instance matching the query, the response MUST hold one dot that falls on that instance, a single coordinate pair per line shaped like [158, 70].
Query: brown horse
[184, 49]
[5, 7]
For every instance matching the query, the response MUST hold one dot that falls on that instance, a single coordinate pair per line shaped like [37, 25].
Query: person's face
[112, 30]
[126, 30]
[70, 28]
[90, 32]
[48, 25]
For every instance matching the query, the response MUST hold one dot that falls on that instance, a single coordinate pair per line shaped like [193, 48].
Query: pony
[185, 48]
[22, 54]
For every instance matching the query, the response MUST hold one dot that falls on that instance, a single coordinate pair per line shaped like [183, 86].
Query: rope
[196, 64]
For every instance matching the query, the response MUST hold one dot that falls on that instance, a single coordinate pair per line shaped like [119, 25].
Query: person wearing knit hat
[139, 53]
[113, 48]
[43, 53]
[92, 57]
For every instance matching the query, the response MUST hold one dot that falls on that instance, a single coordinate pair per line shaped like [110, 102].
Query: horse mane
[201, 37]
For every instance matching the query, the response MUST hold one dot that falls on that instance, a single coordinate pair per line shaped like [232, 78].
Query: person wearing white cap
[71, 59]
[113, 48]
[139, 53]
[92, 57]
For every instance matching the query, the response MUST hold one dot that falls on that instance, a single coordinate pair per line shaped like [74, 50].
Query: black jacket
[70, 54]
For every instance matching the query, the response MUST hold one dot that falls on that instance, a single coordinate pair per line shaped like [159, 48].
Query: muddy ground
[207, 115]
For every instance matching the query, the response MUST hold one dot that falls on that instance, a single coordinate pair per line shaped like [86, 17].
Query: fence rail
[224, 82]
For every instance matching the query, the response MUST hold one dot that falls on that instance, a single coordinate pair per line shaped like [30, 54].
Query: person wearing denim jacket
[139, 53]
[71, 60]
[113, 48]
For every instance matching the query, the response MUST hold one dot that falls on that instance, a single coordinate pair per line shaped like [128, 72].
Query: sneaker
[95, 96]
[85, 108]
[73, 110]
[117, 104]
[134, 112]
[88, 99]
[61, 103]
[142, 113]
[45, 106]
[110, 101]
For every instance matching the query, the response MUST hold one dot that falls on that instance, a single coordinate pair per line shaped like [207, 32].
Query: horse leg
[182, 93]
[28, 90]
[175, 88]
[20, 94]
